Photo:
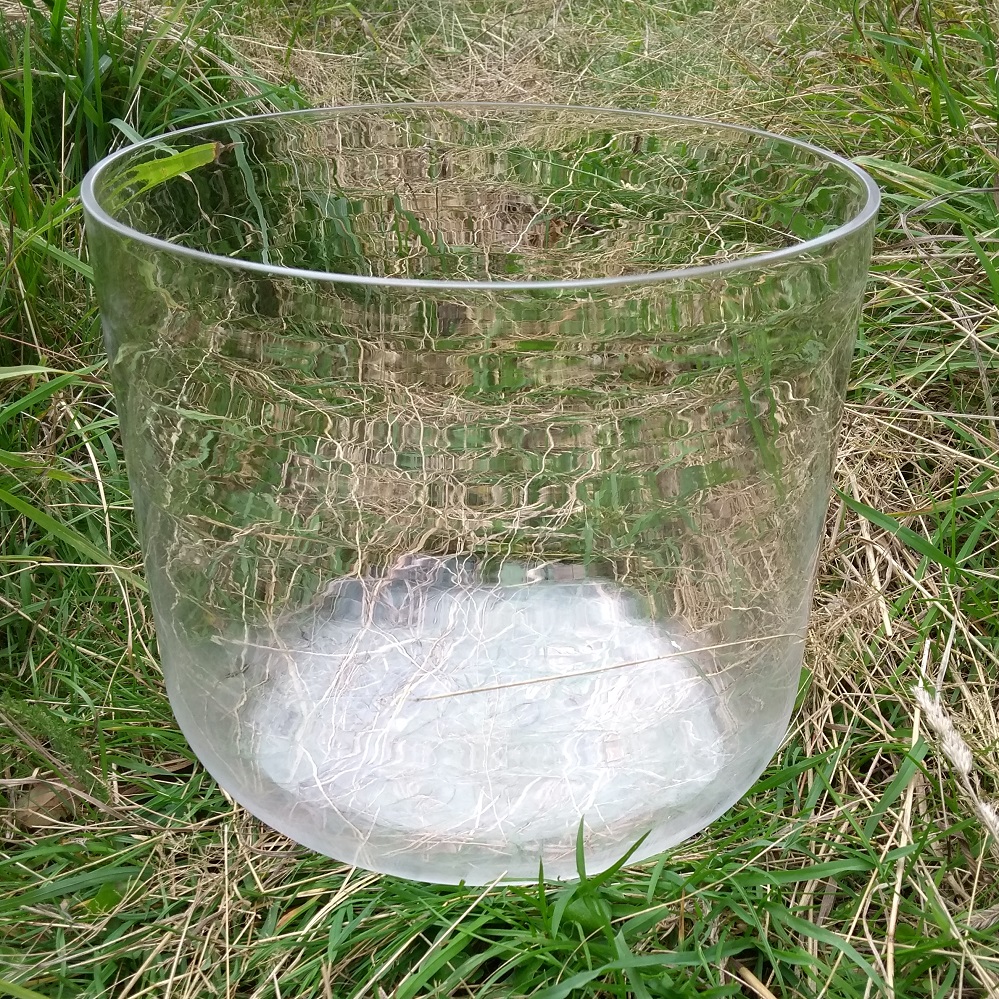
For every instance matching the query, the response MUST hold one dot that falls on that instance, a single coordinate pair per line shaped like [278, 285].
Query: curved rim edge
[867, 212]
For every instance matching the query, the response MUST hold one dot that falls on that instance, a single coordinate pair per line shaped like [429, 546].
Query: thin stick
[751, 980]
[606, 669]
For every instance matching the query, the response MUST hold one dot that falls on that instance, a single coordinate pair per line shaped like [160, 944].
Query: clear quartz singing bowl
[480, 455]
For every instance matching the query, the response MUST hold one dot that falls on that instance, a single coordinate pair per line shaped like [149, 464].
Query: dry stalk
[958, 753]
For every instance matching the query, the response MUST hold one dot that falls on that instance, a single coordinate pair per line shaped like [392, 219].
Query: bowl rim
[95, 213]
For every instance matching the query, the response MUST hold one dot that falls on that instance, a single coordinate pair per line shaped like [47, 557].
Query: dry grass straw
[719, 59]
[899, 458]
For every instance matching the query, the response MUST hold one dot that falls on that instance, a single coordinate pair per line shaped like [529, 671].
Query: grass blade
[26, 371]
[70, 536]
[18, 991]
[905, 534]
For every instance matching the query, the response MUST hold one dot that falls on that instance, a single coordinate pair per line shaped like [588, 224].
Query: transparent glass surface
[480, 455]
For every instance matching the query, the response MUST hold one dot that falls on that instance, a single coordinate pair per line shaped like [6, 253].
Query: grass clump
[861, 864]
[78, 80]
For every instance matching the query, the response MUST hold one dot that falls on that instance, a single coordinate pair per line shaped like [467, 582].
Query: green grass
[861, 864]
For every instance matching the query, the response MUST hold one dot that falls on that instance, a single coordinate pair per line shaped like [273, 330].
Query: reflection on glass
[464, 523]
